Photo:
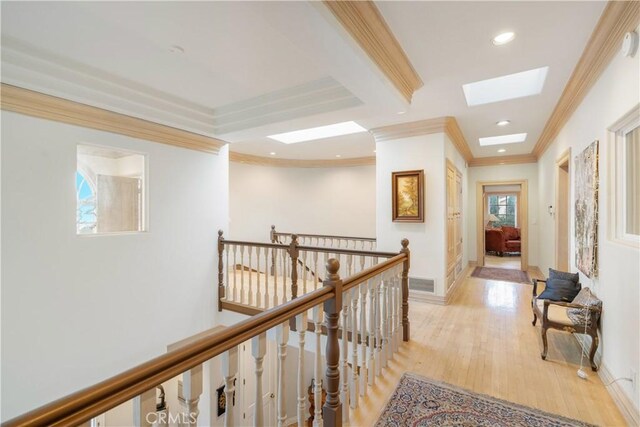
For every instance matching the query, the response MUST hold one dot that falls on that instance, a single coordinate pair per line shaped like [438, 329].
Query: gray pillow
[579, 315]
[560, 290]
[555, 274]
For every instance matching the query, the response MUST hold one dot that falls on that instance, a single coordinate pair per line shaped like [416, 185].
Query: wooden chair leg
[544, 343]
[592, 354]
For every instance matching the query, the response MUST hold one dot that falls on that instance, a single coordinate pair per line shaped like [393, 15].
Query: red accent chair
[501, 240]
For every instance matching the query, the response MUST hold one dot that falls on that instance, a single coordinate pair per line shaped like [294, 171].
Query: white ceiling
[264, 60]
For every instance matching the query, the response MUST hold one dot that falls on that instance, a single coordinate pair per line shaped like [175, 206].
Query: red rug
[502, 274]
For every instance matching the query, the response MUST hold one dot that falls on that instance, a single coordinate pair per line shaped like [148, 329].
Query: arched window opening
[86, 217]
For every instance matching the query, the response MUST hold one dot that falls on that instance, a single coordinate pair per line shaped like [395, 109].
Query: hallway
[484, 342]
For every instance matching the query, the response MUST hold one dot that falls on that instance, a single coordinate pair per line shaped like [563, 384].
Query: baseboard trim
[422, 296]
[629, 411]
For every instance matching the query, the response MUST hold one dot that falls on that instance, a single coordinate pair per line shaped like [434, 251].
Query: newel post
[405, 290]
[332, 409]
[221, 294]
[273, 234]
[293, 254]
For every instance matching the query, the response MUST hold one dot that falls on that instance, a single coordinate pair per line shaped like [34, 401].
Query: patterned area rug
[420, 402]
[503, 274]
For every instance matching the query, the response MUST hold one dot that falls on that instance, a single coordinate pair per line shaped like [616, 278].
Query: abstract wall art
[586, 210]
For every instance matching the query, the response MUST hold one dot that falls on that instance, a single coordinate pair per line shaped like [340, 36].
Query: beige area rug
[502, 274]
[420, 402]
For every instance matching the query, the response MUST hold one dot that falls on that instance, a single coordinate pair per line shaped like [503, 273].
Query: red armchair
[501, 240]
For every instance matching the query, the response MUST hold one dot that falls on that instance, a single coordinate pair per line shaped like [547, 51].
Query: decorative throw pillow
[579, 315]
[560, 290]
[555, 274]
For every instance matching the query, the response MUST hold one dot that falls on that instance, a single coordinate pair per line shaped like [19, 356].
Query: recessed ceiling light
[176, 49]
[503, 122]
[337, 129]
[401, 112]
[272, 153]
[503, 139]
[501, 88]
[502, 150]
[338, 155]
[504, 38]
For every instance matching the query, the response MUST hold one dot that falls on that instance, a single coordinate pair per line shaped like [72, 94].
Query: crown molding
[296, 163]
[36, 104]
[447, 125]
[364, 22]
[618, 18]
[503, 160]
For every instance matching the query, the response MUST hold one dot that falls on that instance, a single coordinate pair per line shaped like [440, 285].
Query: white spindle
[235, 273]
[387, 320]
[267, 301]
[316, 277]
[317, 368]
[371, 365]
[363, 338]
[275, 253]
[143, 405]
[344, 354]
[282, 339]
[285, 275]
[241, 274]
[301, 326]
[379, 303]
[250, 291]
[353, 317]
[191, 391]
[305, 268]
[258, 274]
[227, 290]
[229, 371]
[258, 349]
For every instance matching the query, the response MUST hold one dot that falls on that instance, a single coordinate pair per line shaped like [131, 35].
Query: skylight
[503, 139]
[511, 86]
[302, 135]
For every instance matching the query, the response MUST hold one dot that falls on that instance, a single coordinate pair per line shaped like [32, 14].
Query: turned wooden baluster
[363, 338]
[332, 409]
[282, 340]
[191, 391]
[344, 354]
[317, 367]
[379, 302]
[353, 317]
[144, 405]
[293, 255]
[371, 365]
[221, 288]
[275, 253]
[301, 326]
[405, 290]
[274, 239]
[229, 372]
[258, 350]
[235, 273]
[250, 291]
[315, 270]
[267, 301]
[241, 274]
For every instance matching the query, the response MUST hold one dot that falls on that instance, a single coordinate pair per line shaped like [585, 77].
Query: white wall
[427, 239]
[618, 285]
[528, 172]
[338, 201]
[77, 309]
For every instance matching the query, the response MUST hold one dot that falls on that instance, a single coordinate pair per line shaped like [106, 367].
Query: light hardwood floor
[484, 341]
[510, 262]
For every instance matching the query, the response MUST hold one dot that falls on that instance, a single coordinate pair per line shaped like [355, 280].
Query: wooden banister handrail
[326, 236]
[87, 403]
[255, 244]
[344, 251]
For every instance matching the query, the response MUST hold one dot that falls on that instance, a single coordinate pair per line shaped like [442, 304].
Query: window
[625, 179]
[110, 191]
[505, 208]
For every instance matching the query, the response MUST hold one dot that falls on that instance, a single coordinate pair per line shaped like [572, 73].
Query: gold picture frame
[407, 196]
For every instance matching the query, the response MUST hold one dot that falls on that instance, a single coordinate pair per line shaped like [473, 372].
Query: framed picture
[408, 196]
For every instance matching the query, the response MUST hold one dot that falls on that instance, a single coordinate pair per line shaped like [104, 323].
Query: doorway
[501, 207]
[562, 211]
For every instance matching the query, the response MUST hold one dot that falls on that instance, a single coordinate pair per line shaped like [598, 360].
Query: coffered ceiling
[241, 71]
